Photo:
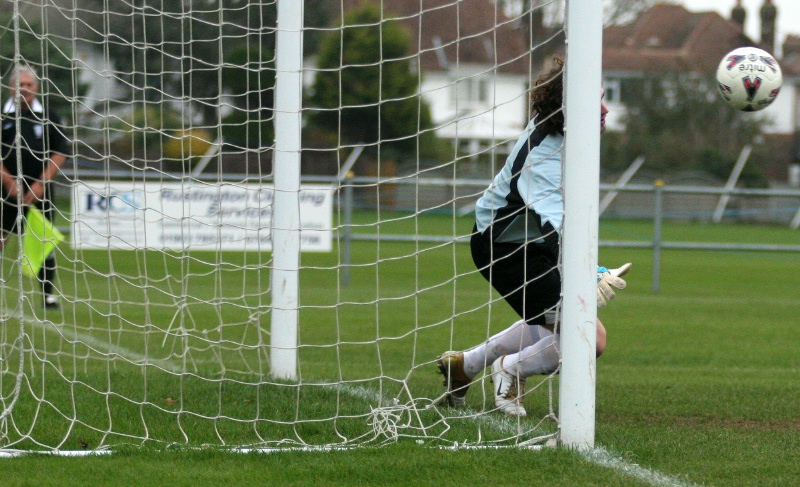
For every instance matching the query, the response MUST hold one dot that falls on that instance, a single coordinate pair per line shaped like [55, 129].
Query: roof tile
[463, 31]
[670, 38]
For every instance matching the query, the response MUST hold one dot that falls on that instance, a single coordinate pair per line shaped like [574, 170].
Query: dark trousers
[526, 275]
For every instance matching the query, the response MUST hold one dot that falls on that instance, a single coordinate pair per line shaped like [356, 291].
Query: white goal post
[582, 80]
[286, 220]
[230, 162]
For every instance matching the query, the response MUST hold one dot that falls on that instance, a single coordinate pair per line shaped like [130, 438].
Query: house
[668, 38]
[475, 68]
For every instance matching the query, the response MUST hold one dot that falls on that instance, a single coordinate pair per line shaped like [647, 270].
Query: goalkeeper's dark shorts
[526, 275]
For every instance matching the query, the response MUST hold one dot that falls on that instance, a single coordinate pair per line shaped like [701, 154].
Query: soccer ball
[749, 79]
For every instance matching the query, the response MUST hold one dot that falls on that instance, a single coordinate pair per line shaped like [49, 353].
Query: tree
[365, 89]
[317, 16]
[193, 49]
[49, 55]
[250, 78]
[623, 11]
[678, 122]
[175, 50]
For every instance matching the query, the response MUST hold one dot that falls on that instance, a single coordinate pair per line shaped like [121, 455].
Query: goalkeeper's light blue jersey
[530, 179]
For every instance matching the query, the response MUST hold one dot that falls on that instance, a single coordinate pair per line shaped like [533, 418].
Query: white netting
[163, 332]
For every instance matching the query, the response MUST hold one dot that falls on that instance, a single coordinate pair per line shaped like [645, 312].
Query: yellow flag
[40, 239]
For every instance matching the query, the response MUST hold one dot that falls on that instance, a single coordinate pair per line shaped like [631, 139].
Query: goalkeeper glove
[607, 279]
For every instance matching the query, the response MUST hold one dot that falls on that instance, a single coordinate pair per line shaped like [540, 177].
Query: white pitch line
[55, 453]
[599, 455]
[610, 460]
[99, 345]
[500, 423]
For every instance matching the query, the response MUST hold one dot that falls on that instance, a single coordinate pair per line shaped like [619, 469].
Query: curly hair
[547, 99]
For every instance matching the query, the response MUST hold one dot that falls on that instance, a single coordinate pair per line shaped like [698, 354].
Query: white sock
[511, 340]
[541, 358]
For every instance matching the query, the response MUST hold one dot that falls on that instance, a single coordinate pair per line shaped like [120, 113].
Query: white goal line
[100, 346]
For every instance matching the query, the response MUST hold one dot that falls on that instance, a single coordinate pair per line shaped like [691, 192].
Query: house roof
[668, 38]
[447, 34]
[790, 64]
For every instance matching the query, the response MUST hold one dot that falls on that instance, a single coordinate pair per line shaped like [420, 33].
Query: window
[613, 90]
[469, 91]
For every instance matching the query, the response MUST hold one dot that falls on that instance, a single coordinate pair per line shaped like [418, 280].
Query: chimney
[738, 14]
[535, 13]
[768, 14]
[791, 46]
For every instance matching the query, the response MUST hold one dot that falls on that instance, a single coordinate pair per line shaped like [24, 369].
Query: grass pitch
[698, 384]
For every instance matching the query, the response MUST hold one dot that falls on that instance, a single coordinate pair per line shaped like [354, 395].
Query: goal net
[178, 212]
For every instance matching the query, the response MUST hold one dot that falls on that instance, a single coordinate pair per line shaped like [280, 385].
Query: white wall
[98, 73]
[616, 113]
[506, 98]
[506, 103]
[783, 113]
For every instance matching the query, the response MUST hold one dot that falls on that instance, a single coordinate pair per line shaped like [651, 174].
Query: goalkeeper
[515, 245]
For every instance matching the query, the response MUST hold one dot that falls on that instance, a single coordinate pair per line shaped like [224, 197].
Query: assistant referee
[44, 148]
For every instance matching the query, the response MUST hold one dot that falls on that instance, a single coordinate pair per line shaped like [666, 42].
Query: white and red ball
[749, 79]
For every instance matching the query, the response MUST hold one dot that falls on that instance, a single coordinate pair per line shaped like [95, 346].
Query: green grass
[699, 382]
